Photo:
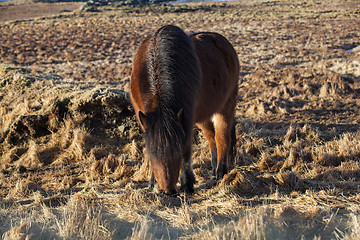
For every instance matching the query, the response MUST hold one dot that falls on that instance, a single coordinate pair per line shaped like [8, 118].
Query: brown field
[22, 10]
[71, 153]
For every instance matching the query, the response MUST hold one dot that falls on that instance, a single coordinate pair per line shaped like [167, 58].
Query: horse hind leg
[208, 130]
[225, 137]
[223, 140]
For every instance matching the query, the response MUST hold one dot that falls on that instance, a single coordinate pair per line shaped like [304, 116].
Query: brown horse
[178, 80]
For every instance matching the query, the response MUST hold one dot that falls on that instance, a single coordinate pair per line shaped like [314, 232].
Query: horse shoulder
[139, 77]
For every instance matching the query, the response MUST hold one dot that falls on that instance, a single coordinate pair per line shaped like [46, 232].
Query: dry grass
[72, 162]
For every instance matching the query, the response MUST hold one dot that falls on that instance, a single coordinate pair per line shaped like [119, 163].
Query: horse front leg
[152, 182]
[187, 173]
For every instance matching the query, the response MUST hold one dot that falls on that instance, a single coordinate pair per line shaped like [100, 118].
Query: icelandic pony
[178, 80]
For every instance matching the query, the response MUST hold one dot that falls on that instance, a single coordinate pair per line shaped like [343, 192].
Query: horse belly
[211, 102]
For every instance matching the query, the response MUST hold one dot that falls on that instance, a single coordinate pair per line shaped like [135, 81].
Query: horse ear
[142, 119]
[180, 116]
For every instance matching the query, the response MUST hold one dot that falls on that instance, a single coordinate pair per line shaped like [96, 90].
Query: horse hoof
[174, 195]
[187, 189]
[221, 171]
[213, 173]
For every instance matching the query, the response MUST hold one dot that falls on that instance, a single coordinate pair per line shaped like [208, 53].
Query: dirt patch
[36, 10]
[72, 152]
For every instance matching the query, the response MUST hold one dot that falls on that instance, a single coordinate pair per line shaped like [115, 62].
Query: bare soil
[27, 10]
[72, 162]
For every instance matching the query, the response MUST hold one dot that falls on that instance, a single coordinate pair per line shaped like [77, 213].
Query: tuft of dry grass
[26, 230]
[82, 217]
[141, 230]
[72, 163]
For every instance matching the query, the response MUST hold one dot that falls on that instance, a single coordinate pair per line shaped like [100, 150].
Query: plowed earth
[71, 154]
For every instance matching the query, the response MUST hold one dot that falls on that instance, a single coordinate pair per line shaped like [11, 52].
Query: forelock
[164, 138]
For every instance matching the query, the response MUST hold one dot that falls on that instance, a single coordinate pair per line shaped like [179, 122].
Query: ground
[71, 153]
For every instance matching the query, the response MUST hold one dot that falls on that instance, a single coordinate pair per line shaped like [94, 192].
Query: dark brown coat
[176, 81]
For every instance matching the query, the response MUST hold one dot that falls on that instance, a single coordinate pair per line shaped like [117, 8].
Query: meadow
[72, 162]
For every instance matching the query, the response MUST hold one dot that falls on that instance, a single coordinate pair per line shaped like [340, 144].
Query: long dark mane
[174, 76]
[164, 136]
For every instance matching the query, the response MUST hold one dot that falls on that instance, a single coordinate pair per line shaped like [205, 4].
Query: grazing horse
[178, 80]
